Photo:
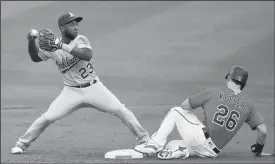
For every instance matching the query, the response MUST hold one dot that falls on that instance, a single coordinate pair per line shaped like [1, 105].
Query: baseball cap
[238, 73]
[66, 18]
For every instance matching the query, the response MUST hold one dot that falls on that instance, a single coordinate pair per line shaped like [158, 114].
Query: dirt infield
[151, 55]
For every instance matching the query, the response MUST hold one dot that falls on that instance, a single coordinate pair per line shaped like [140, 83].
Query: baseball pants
[71, 99]
[190, 130]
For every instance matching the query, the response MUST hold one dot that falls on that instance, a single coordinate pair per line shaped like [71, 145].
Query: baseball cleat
[180, 153]
[19, 148]
[149, 148]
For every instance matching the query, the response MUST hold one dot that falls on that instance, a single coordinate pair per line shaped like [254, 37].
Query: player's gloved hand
[257, 150]
[32, 34]
[48, 41]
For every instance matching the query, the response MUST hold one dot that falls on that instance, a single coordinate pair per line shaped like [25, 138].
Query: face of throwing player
[70, 30]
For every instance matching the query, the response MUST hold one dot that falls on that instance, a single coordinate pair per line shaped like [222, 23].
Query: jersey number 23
[84, 72]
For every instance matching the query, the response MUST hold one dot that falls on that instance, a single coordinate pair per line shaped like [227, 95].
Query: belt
[85, 84]
[206, 134]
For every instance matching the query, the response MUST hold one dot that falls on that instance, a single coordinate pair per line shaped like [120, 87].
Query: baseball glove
[48, 41]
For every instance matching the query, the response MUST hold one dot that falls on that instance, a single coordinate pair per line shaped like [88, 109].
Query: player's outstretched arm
[257, 148]
[32, 49]
[262, 134]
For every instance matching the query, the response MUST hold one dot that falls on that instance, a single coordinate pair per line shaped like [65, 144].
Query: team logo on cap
[71, 15]
[240, 78]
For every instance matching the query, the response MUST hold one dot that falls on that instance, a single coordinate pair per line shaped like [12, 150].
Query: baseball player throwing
[73, 57]
[225, 110]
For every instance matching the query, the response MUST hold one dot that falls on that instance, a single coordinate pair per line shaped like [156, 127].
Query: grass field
[151, 55]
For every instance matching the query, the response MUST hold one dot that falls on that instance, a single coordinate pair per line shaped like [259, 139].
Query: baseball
[33, 32]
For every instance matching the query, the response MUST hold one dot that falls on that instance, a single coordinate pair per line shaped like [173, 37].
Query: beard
[70, 35]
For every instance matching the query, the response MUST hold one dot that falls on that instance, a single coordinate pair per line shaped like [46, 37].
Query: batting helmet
[238, 74]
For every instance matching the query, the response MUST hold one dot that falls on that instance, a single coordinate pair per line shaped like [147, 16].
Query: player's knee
[47, 119]
[181, 112]
[177, 109]
[116, 109]
[121, 110]
[187, 115]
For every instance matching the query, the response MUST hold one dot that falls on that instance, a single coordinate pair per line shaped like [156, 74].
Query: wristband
[257, 148]
[260, 148]
[66, 48]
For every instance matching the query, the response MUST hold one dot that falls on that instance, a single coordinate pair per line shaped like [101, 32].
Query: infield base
[124, 154]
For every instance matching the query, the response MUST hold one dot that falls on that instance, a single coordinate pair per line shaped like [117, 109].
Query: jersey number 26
[222, 114]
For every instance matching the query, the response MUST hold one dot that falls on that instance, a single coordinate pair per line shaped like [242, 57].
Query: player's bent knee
[187, 115]
[178, 109]
[47, 119]
[122, 109]
[122, 112]
[116, 109]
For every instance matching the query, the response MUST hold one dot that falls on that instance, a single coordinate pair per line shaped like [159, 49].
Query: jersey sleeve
[44, 55]
[200, 99]
[83, 42]
[254, 118]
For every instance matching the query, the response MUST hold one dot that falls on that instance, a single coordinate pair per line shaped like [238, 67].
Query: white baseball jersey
[74, 70]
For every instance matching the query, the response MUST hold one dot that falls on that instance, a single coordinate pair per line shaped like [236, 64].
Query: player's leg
[68, 101]
[160, 136]
[190, 129]
[187, 123]
[104, 100]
